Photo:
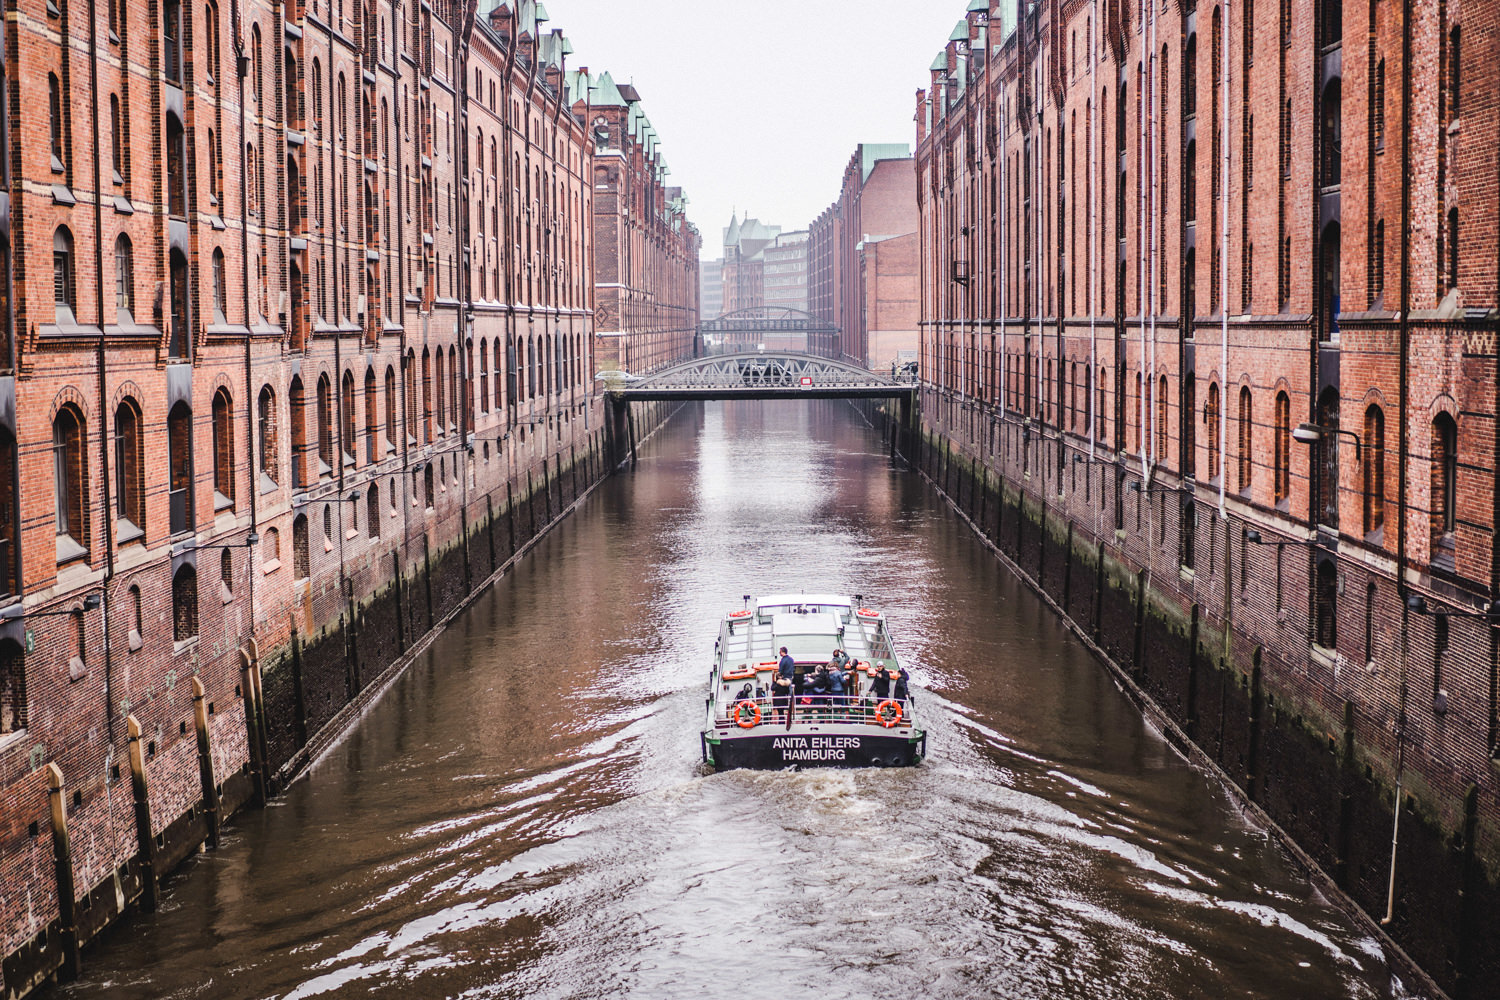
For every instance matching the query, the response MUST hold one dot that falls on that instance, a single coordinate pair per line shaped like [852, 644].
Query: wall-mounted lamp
[1313, 433]
[1417, 605]
[92, 600]
[1135, 487]
[1254, 538]
[251, 540]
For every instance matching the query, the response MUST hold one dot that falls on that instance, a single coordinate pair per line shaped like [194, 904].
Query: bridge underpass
[750, 375]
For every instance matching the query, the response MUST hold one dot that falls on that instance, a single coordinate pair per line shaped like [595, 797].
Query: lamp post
[1314, 433]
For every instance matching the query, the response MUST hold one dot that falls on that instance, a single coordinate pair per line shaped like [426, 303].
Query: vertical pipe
[1093, 230]
[1223, 256]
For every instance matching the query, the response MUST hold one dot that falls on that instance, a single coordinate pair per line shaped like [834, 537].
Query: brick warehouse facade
[313, 361]
[863, 273]
[1140, 276]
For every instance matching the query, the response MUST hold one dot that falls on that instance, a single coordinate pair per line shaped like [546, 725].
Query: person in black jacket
[880, 689]
[901, 688]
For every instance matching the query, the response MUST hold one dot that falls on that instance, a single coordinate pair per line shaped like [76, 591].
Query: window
[484, 376]
[223, 433]
[1377, 109]
[325, 426]
[301, 556]
[269, 458]
[177, 343]
[441, 402]
[124, 281]
[180, 467]
[1247, 440]
[226, 575]
[1333, 135]
[12, 688]
[1211, 422]
[68, 477]
[176, 169]
[9, 579]
[426, 395]
[130, 476]
[390, 409]
[171, 34]
[372, 510]
[55, 123]
[1161, 420]
[62, 274]
[1377, 265]
[372, 417]
[328, 522]
[185, 604]
[1374, 470]
[1451, 264]
[346, 415]
[116, 140]
[1326, 458]
[1283, 448]
[1327, 625]
[218, 285]
[427, 486]
[1444, 489]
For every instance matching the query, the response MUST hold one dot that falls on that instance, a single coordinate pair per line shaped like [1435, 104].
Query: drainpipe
[1405, 361]
[1088, 404]
[109, 535]
[1143, 103]
[1223, 261]
[1000, 124]
[1148, 373]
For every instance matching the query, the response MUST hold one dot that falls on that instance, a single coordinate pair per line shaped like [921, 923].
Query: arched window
[325, 426]
[426, 394]
[455, 397]
[1326, 458]
[69, 481]
[390, 409]
[1283, 448]
[184, 604]
[372, 511]
[63, 287]
[219, 288]
[226, 575]
[328, 522]
[1374, 470]
[1247, 440]
[484, 376]
[180, 467]
[1161, 420]
[1333, 135]
[1327, 605]
[223, 433]
[270, 547]
[130, 481]
[427, 487]
[301, 549]
[124, 281]
[441, 402]
[298, 404]
[346, 415]
[55, 125]
[1189, 426]
[269, 458]
[372, 417]
[495, 370]
[1444, 489]
[1211, 424]
[176, 168]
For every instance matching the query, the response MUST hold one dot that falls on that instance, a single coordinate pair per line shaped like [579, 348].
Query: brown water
[524, 815]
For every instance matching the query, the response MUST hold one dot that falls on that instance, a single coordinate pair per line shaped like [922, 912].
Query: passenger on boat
[901, 689]
[880, 688]
[781, 687]
[817, 689]
[840, 659]
[837, 698]
[746, 693]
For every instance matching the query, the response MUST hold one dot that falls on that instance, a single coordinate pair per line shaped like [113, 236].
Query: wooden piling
[144, 839]
[62, 853]
[206, 763]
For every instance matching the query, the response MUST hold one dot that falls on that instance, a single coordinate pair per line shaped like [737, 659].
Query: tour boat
[856, 729]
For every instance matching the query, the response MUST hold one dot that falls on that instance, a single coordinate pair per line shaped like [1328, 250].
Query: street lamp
[1135, 487]
[1417, 605]
[1313, 433]
[1254, 538]
[91, 601]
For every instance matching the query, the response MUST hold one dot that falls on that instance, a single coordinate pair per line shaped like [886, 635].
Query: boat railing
[748, 713]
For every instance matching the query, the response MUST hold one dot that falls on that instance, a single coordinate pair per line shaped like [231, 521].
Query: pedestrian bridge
[759, 375]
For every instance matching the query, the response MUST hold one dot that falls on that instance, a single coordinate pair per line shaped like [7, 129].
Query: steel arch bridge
[760, 375]
[765, 319]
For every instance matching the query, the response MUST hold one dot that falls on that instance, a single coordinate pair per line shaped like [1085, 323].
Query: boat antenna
[746, 599]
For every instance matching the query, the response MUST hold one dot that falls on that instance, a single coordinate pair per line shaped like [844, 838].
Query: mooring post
[206, 763]
[252, 728]
[1346, 800]
[144, 839]
[1190, 710]
[251, 653]
[62, 853]
[1252, 749]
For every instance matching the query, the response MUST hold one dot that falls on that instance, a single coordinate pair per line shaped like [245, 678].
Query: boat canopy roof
[812, 602]
[807, 636]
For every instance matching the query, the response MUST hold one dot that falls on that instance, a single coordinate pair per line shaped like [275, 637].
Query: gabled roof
[960, 32]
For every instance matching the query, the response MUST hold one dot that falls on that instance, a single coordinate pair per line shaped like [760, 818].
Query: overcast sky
[760, 103]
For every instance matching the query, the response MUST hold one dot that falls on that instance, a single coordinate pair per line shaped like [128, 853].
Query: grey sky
[760, 103]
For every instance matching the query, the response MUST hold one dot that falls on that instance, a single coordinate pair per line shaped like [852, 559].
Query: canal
[524, 814]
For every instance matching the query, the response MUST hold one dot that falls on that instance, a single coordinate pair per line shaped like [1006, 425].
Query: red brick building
[868, 294]
[646, 252]
[314, 356]
[1154, 243]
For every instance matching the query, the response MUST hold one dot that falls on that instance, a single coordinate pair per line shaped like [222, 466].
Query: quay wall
[1219, 657]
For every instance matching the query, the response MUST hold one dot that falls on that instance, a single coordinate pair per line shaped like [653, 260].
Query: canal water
[524, 813]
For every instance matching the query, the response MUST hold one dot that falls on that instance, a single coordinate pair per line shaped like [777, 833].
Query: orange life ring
[738, 715]
[880, 716]
[739, 614]
[740, 675]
